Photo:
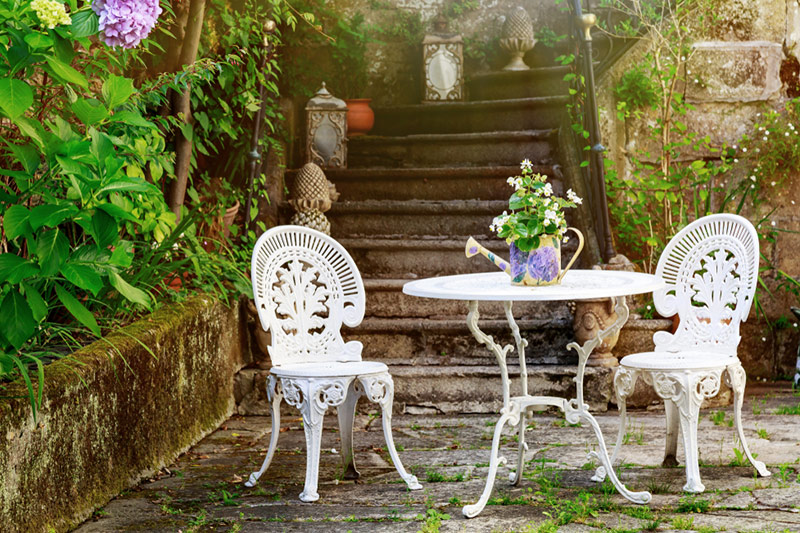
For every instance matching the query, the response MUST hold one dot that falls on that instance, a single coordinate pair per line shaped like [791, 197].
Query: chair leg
[379, 388]
[671, 445]
[737, 378]
[313, 396]
[346, 413]
[274, 395]
[687, 390]
[689, 416]
[624, 383]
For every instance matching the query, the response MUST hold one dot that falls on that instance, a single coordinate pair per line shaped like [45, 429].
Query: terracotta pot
[360, 117]
[227, 218]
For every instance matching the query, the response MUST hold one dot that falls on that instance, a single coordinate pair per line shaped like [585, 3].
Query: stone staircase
[426, 178]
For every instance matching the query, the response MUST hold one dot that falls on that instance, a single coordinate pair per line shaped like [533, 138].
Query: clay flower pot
[360, 117]
[227, 218]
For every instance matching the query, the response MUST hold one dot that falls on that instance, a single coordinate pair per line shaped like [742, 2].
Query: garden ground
[203, 490]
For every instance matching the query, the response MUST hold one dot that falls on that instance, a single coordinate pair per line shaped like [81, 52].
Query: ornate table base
[515, 408]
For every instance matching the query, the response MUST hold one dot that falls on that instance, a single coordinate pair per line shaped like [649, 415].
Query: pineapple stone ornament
[313, 195]
[517, 38]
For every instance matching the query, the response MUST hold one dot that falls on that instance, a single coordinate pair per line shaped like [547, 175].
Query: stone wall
[396, 61]
[115, 412]
[739, 67]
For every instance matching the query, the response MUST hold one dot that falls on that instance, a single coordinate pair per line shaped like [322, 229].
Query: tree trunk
[182, 107]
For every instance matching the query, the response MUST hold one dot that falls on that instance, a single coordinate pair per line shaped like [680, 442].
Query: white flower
[510, 180]
[566, 240]
[572, 197]
[773, 223]
[744, 149]
[752, 178]
[547, 190]
[773, 183]
[526, 164]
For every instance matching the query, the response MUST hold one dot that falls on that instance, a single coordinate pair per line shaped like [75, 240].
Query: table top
[496, 286]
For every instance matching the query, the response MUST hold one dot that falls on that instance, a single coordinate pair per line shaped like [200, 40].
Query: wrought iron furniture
[305, 286]
[710, 269]
[577, 284]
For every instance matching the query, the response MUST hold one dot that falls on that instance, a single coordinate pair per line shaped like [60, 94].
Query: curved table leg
[510, 411]
[577, 409]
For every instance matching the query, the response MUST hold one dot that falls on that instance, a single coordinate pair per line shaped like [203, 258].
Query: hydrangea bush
[126, 23]
[535, 211]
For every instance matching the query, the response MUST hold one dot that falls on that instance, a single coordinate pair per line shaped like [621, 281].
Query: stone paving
[203, 490]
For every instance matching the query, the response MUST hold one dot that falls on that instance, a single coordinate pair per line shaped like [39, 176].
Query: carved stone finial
[517, 38]
[312, 196]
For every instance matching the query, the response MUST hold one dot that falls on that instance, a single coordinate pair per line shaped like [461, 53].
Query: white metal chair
[710, 269]
[306, 285]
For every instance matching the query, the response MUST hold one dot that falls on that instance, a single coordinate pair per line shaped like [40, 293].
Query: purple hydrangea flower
[126, 22]
[543, 263]
[517, 260]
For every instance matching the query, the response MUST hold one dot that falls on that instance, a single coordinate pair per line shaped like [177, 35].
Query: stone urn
[590, 317]
[517, 38]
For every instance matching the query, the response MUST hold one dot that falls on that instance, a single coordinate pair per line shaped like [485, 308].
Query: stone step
[448, 341]
[410, 258]
[413, 217]
[504, 85]
[504, 148]
[385, 299]
[540, 112]
[476, 183]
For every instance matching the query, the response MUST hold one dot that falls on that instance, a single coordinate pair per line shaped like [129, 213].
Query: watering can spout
[473, 248]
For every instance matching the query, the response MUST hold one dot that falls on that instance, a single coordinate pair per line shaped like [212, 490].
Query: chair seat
[331, 369]
[687, 360]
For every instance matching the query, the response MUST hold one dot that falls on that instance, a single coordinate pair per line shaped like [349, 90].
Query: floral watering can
[538, 267]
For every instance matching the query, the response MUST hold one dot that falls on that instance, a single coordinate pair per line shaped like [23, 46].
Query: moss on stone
[114, 413]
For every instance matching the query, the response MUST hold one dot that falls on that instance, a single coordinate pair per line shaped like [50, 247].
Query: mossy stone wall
[116, 411]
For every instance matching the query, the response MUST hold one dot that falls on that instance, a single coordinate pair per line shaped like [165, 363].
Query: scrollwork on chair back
[711, 270]
[306, 286]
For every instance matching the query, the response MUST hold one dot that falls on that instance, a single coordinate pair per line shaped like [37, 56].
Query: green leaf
[38, 40]
[16, 221]
[27, 154]
[18, 324]
[89, 111]
[9, 262]
[66, 73]
[84, 23]
[118, 212]
[52, 249]
[117, 90]
[50, 215]
[104, 229]
[131, 119]
[37, 303]
[122, 255]
[82, 276]
[127, 290]
[16, 97]
[128, 184]
[77, 309]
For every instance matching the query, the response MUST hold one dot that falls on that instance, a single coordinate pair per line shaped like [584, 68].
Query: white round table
[576, 285]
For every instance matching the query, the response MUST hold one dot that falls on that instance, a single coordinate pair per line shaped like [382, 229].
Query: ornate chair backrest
[305, 286]
[711, 269]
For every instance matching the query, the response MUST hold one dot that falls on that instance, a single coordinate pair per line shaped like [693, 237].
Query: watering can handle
[575, 255]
